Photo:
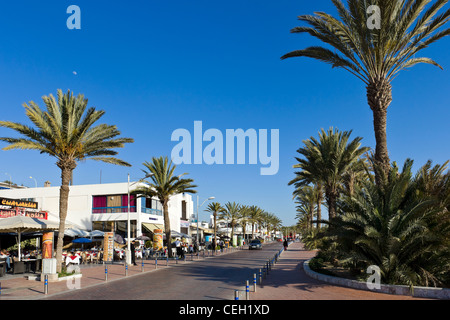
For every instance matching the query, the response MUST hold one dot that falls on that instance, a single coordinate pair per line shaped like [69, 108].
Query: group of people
[6, 255]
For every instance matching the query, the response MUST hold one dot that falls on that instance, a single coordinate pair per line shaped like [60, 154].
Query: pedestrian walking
[285, 244]
[133, 253]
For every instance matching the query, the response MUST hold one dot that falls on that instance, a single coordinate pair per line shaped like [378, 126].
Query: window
[183, 210]
[115, 203]
[151, 206]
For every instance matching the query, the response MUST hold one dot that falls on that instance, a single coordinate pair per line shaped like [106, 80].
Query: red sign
[6, 213]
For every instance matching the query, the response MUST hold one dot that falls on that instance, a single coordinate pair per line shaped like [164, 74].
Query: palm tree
[163, 184]
[306, 201]
[254, 217]
[244, 218]
[231, 215]
[396, 228]
[66, 132]
[327, 160]
[215, 208]
[375, 56]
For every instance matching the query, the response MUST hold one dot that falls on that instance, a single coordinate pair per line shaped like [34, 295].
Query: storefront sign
[108, 246]
[18, 203]
[22, 212]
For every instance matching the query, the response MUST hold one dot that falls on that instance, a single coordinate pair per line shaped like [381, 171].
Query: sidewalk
[288, 281]
[18, 287]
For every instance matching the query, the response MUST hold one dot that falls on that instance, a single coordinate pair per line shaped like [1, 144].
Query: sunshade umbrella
[175, 234]
[119, 239]
[145, 238]
[96, 233]
[82, 240]
[75, 232]
[20, 224]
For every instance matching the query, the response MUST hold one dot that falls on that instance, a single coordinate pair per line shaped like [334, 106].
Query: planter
[419, 292]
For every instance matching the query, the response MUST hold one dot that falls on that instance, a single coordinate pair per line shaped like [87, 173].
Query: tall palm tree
[66, 132]
[327, 160]
[163, 184]
[376, 56]
[231, 215]
[215, 208]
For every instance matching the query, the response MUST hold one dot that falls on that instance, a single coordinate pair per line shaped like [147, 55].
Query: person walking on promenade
[133, 253]
[285, 244]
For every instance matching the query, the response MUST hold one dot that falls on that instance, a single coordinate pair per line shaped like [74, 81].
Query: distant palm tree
[66, 132]
[164, 184]
[244, 218]
[327, 160]
[254, 217]
[215, 208]
[306, 201]
[231, 215]
[376, 55]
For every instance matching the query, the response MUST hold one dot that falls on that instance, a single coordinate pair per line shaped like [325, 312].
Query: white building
[105, 207]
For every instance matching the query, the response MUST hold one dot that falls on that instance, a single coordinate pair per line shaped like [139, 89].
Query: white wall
[80, 204]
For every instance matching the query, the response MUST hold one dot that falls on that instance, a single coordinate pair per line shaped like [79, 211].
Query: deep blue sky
[156, 66]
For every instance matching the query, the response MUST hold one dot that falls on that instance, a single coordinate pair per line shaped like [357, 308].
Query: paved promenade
[286, 281]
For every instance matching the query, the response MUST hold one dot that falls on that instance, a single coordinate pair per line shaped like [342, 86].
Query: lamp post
[198, 206]
[35, 182]
[128, 255]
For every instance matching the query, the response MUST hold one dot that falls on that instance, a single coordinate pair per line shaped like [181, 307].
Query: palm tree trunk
[319, 204]
[215, 230]
[167, 229]
[331, 197]
[379, 97]
[66, 174]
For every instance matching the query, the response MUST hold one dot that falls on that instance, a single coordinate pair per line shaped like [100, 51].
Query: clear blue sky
[156, 66]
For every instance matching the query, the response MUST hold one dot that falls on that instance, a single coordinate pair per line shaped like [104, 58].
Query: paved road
[215, 278]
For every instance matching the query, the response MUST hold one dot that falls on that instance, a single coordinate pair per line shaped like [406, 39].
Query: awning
[152, 226]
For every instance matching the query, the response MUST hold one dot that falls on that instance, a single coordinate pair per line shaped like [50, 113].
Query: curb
[418, 292]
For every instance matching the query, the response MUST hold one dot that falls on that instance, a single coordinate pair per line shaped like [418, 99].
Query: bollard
[156, 262]
[247, 291]
[106, 272]
[142, 266]
[236, 295]
[126, 269]
[176, 259]
[0, 288]
[167, 261]
[46, 284]
[254, 282]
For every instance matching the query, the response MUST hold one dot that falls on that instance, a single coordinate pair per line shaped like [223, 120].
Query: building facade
[105, 207]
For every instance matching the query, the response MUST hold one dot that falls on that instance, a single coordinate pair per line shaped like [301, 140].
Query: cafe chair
[18, 266]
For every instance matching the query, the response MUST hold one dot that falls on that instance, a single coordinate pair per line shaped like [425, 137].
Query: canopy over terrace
[20, 224]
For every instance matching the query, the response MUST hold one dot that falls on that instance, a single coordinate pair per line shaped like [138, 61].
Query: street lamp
[128, 255]
[35, 182]
[198, 206]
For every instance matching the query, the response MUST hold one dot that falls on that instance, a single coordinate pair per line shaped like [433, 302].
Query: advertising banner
[47, 245]
[108, 247]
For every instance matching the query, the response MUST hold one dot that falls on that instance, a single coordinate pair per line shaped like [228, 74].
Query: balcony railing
[113, 209]
[152, 211]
